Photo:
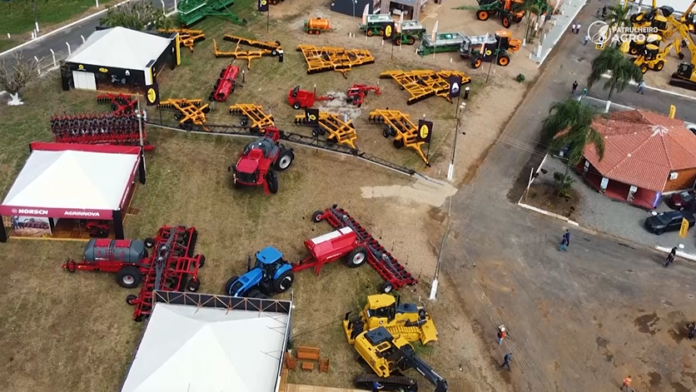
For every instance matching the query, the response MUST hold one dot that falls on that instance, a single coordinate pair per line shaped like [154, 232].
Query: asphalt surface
[41, 48]
[578, 321]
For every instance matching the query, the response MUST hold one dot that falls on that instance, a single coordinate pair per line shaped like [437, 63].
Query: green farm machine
[411, 30]
[444, 42]
[508, 11]
[377, 24]
[490, 48]
[192, 11]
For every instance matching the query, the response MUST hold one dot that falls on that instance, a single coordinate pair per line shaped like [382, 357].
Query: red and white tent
[73, 181]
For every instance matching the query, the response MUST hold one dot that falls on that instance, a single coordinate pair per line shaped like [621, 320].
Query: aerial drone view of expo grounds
[346, 195]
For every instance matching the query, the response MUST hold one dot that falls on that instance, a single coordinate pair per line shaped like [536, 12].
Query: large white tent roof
[191, 349]
[72, 180]
[120, 48]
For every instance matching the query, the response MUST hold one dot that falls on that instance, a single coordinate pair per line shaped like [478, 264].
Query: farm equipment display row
[104, 128]
[423, 84]
[166, 262]
[264, 48]
[329, 58]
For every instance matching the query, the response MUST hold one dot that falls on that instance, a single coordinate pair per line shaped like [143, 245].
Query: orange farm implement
[190, 111]
[252, 117]
[342, 132]
[423, 84]
[327, 58]
[398, 126]
[187, 37]
[317, 26]
[264, 48]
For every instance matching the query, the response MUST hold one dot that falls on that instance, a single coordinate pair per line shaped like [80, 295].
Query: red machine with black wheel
[349, 234]
[259, 159]
[357, 93]
[225, 84]
[303, 99]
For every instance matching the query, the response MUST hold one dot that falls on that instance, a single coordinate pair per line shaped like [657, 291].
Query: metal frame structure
[339, 131]
[191, 111]
[398, 126]
[329, 58]
[252, 116]
[187, 37]
[264, 48]
[423, 84]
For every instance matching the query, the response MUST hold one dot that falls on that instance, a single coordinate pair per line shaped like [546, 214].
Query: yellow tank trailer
[407, 321]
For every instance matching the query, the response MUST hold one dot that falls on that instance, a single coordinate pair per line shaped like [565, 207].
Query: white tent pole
[140, 121]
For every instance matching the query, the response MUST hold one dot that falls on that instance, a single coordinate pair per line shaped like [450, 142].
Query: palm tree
[621, 68]
[569, 125]
[532, 11]
[619, 16]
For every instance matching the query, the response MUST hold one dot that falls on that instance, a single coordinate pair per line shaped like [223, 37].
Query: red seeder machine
[171, 266]
[225, 84]
[259, 159]
[117, 127]
[349, 238]
[303, 99]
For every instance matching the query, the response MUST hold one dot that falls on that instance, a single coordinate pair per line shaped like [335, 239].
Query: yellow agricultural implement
[399, 126]
[339, 131]
[191, 111]
[423, 84]
[328, 58]
[187, 37]
[252, 116]
[264, 48]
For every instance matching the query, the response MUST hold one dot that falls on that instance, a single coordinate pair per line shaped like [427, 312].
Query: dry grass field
[74, 332]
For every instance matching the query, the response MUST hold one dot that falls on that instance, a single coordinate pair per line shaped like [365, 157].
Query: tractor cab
[685, 70]
[267, 147]
[651, 51]
[476, 44]
[659, 22]
[268, 260]
[666, 11]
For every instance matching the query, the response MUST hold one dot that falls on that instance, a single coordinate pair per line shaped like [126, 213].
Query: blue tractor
[271, 274]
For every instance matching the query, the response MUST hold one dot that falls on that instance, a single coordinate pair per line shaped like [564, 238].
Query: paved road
[72, 35]
[578, 321]
[652, 100]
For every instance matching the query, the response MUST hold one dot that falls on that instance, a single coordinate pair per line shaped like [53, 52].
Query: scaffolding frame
[329, 58]
[191, 111]
[423, 84]
[340, 131]
[252, 116]
[399, 126]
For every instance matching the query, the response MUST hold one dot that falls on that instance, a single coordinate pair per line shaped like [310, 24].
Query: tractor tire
[236, 183]
[129, 277]
[149, 243]
[386, 288]
[296, 106]
[398, 143]
[71, 266]
[517, 19]
[476, 63]
[201, 262]
[503, 60]
[410, 41]
[659, 66]
[193, 285]
[316, 216]
[285, 159]
[506, 22]
[356, 257]
[131, 298]
[385, 133]
[272, 180]
[228, 285]
[644, 68]
[284, 282]
[254, 293]
[633, 51]
[681, 56]
[482, 15]
[370, 33]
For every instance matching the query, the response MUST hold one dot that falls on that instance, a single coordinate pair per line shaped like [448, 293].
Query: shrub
[520, 78]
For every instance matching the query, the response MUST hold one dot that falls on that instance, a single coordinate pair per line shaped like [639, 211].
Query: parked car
[668, 221]
[682, 200]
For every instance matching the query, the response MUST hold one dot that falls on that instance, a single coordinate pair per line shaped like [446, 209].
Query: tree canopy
[569, 124]
[140, 15]
[620, 68]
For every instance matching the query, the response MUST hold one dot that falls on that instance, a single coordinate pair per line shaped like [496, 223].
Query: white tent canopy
[191, 349]
[72, 180]
[120, 48]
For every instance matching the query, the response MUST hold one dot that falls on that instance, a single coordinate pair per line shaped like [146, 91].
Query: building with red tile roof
[646, 154]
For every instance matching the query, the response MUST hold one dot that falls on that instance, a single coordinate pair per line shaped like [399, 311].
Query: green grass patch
[18, 16]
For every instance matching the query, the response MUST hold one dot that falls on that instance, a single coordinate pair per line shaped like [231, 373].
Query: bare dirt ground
[83, 320]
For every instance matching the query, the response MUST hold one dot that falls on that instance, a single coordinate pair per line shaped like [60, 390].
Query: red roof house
[645, 155]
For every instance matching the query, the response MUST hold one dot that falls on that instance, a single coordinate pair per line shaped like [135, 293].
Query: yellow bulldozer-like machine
[389, 357]
[654, 58]
[406, 321]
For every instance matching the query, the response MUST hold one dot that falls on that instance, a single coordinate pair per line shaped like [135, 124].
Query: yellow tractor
[407, 321]
[389, 357]
[637, 47]
[653, 58]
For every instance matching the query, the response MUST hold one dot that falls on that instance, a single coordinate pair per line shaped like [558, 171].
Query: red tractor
[303, 99]
[225, 84]
[259, 159]
[357, 93]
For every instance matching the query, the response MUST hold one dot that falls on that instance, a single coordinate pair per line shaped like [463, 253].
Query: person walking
[565, 242]
[376, 387]
[587, 39]
[584, 92]
[626, 386]
[506, 361]
[641, 87]
[501, 335]
[572, 28]
[577, 28]
[575, 87]
[670, 257]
